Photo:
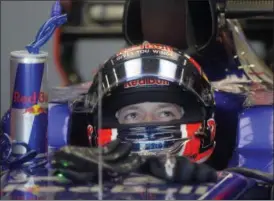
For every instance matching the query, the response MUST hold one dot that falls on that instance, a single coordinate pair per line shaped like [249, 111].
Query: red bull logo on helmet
[146, 82]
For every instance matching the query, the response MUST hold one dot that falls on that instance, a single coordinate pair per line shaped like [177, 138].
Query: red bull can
[29, 101]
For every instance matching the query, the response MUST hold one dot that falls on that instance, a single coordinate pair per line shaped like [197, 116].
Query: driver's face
[149, 112]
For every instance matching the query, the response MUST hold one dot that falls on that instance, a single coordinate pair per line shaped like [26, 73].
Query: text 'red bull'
[34, 98]
[146, 82]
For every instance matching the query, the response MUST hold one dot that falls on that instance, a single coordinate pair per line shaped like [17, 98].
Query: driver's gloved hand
[80, 164]
[178, 169]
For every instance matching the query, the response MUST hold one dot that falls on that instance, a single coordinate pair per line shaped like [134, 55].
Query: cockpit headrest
[181, 24]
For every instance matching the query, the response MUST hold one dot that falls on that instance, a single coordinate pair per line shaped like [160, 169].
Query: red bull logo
[36, 110]
[34, 98]
[146, 82]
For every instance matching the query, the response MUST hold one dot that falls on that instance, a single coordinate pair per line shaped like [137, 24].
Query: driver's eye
[131, 116]
[166, 114]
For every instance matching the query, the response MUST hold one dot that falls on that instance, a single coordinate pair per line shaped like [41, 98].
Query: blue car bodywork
[253, 149]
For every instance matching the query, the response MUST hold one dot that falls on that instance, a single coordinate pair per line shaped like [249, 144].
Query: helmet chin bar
[155, 138]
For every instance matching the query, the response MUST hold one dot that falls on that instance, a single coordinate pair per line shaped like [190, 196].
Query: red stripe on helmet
[212, 126]
[104, 136]
[191, 146]
[201, 157]
[195, 63]
[192, 128]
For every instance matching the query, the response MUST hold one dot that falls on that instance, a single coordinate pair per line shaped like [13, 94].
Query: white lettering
[94, 188]
[38, 189]
[131, 185]
[84, 189]
[142, 180]
[56, 179]
[80, 189]
[22, 179]
[10, 188]
[186, 190]
[146, 46]
[128, 189]
[165, 191]
[201, 190]
[50, 189]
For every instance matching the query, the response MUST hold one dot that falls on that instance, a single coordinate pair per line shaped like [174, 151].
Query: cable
[255, 174]
[11, 161]
[57, 56]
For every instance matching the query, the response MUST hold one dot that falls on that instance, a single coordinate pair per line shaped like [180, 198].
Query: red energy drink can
[29, 101]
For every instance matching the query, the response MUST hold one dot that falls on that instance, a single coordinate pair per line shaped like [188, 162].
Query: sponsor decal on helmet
[147, 46]
[146, 82]
[89, 132]
[205, 77]
[212, 127]
[194, 63]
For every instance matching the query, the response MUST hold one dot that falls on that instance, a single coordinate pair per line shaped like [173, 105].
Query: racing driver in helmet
[153, 96]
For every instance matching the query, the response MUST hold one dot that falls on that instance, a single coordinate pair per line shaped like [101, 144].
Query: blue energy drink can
[29, 102]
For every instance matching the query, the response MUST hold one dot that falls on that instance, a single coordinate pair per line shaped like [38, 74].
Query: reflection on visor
[167, 69]
[133, 68]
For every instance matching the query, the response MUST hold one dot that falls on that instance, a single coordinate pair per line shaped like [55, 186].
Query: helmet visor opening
[150, 74]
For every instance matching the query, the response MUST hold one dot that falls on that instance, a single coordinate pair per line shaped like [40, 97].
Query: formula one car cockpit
[185, 111]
